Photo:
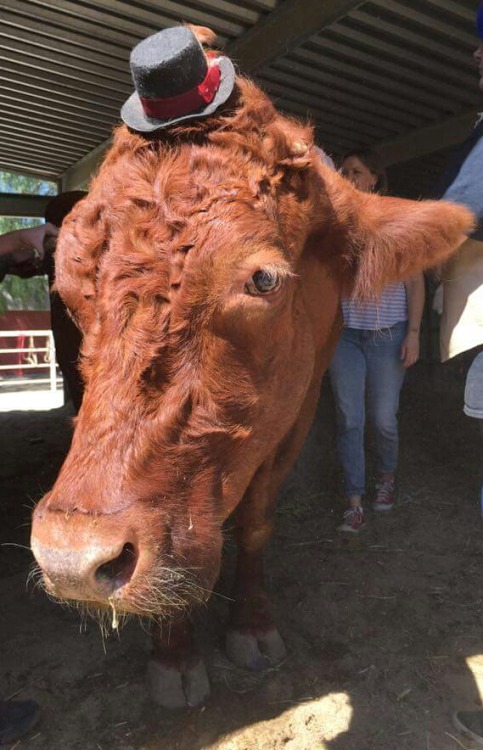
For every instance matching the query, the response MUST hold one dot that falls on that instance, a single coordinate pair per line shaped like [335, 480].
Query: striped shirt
[389, 309]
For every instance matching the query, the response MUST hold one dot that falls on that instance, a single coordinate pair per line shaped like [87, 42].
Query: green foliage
[17, 293]
[12, 182]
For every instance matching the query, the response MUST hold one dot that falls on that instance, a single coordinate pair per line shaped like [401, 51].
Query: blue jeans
[367, 362]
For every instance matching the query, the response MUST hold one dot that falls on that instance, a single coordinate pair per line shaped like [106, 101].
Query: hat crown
[168, 63]
[175, 81]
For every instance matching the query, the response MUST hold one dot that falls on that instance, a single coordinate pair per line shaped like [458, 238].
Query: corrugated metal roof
[386, 70]
[383, 72]
[65, 70]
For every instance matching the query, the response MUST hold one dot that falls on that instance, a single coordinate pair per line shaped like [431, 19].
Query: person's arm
[415, 294]
[25, 244]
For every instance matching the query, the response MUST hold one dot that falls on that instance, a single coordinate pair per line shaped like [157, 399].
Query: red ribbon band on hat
[189, 101]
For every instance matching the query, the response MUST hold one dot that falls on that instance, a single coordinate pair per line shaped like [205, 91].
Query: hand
[32, 243]
[410, 349]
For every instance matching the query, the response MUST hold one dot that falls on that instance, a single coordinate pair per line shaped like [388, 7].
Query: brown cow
[205, 269]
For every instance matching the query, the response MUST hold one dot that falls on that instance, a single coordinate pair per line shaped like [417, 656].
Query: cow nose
[93, 573]
[117, 571]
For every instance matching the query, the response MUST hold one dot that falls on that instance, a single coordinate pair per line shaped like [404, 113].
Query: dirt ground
[384, 634]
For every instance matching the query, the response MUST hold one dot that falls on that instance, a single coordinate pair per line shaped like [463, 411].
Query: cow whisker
[34, 578]
[164, 594]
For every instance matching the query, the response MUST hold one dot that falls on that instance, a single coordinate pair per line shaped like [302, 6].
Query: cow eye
[263, 282]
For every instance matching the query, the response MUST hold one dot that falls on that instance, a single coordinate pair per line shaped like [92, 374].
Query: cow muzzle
[84, 558]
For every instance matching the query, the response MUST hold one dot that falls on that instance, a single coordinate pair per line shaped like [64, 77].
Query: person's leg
[480, 422]
[347, 374]
[16, 719]
[470, 723]
[385, 376]
[473, 406]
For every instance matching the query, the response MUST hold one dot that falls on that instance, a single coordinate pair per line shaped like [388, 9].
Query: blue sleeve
[467, 186]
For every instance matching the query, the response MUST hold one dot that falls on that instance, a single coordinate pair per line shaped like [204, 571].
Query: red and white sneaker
[353, 520]
[384, 500]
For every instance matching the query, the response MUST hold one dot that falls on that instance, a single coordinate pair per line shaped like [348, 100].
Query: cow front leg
[252, 641]
[176, 673]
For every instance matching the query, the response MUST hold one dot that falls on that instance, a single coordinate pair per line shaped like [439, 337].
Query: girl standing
[380, 340]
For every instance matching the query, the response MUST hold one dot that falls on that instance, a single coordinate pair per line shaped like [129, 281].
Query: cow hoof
[178, 688]
[255, 652]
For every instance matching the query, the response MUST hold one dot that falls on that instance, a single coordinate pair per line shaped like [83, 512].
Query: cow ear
[79, 247]
[377, 240]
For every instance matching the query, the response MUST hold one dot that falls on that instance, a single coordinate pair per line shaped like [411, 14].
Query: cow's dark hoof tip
[255, 651]
[175, 688]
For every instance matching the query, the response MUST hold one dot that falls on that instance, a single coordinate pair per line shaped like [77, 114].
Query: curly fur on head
[155, 185]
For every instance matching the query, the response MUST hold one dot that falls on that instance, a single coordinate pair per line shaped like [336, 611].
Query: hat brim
[133, 115]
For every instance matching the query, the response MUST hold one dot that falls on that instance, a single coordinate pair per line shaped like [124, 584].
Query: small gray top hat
[175, 81]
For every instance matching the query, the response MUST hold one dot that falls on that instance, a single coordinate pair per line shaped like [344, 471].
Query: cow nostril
[118, 572]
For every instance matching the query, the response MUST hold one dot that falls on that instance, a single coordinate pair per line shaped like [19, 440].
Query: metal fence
[32, 356]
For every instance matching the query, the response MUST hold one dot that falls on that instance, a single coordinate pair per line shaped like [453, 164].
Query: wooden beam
[427, 140]
[77, 177]
[16, 204]
[290, 24]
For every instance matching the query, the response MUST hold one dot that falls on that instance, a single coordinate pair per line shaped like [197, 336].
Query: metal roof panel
[380, 72]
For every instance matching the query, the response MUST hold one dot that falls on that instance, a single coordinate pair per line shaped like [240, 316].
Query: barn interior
[384, 634]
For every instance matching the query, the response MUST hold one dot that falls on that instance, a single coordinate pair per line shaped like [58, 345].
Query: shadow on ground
[384, 634]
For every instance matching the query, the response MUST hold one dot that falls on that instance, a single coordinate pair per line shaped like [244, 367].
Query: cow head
[204, 269]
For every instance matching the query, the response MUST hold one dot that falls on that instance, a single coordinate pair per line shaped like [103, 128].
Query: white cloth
[462, 318]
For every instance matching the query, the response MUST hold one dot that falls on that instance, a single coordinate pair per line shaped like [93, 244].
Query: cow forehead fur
[195, 205]
[230, 179]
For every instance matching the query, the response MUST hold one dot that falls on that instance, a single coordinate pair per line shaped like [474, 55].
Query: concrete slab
[34, 400]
